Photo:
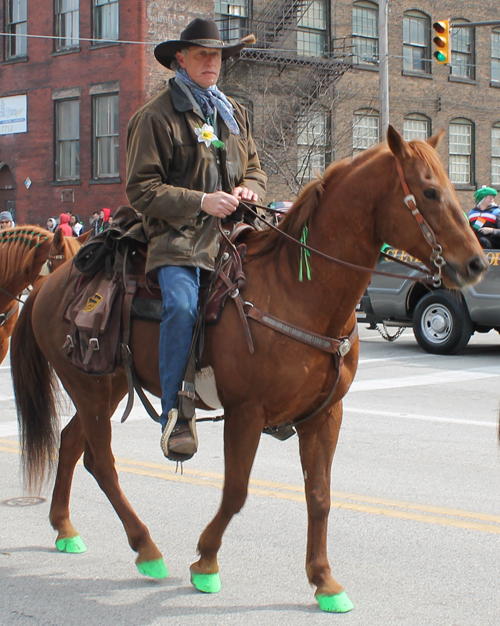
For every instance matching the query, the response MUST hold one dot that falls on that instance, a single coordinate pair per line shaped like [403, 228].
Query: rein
[4, 317]
[410, 202]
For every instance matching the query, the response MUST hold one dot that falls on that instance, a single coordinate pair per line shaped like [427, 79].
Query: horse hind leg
[98, 459]
[241, 439]
[70, 450]
[318, 439]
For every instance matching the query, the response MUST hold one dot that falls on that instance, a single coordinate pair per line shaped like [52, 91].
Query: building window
[106, 136]
[231, 18]
[67, 24]
[416, 126]
[67, 139]
[106, 19]
[416, 53]
[495, 154]
[312, 144]
[495, 56]
[365, 130]
[17, 26]
[312, 29]
[365, 32]
[462, 51]
[461, 140]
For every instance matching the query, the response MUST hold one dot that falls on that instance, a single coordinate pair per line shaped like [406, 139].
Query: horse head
[435, 228]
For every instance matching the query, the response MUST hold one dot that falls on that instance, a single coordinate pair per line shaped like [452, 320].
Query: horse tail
[34, 389]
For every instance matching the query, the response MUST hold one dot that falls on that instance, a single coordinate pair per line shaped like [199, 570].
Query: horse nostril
[476, 266]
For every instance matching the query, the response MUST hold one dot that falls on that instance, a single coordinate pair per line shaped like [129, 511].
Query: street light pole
[383, 65]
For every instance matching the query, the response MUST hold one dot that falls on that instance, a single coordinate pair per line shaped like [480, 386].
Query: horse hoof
[72, 545]
[154, 569]
[208, 583]
[339, 603]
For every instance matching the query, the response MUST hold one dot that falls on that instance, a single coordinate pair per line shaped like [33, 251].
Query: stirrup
[172, 419]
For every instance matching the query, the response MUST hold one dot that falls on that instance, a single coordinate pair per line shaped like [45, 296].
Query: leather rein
[340, 347]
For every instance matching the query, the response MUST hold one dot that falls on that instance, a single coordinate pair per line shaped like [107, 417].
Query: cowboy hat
[200, 32]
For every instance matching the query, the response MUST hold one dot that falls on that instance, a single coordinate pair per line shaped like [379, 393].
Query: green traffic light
[440, 56]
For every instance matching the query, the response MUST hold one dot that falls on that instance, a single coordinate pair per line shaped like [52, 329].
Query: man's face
[201, 64]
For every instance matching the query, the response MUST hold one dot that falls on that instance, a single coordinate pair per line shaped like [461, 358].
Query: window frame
[425, 61]
[321, 47]
[417, 117]
[97, 21]
[59, 27]
[58, 163]
[16, 40]
[96, 139]
[363, 37]
[232, 26]
[495, 158]
[308, 147]
[496, 59]
[452, 156]
[470, 56]
[362, 114]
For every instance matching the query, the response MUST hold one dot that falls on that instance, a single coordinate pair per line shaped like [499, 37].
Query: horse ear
[58, 239]
[397, 144]
[435, 139]
[83, 238]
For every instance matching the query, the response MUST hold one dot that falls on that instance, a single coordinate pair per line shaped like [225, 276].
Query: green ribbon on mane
[304, 256]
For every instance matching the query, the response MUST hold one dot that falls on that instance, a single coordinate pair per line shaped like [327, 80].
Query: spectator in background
[76, 225]
[94, 223]
[485, 218]
[6, 220]
[67, 231]
[104, 219]
[52, 224]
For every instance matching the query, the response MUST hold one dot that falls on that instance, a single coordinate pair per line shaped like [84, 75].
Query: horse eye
[431, 194]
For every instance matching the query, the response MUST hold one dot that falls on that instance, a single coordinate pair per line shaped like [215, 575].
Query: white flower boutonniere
[207, 136]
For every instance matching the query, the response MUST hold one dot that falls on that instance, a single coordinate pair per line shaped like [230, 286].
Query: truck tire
[441, 323]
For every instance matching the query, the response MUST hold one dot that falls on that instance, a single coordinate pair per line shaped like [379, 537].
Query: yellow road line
[362, 504]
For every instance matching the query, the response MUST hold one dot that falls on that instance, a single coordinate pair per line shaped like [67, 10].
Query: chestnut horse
[357, 206]
[25, 253]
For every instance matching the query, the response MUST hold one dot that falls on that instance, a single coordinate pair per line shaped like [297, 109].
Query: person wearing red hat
[67, 231]
[191, 159]
[104, 220]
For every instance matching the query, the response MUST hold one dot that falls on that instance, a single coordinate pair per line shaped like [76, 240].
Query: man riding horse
[191, 159]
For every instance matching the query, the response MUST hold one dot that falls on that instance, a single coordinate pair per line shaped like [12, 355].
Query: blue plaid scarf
[210, 99]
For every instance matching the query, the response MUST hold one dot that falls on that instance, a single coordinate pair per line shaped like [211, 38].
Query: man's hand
[486, 230]
[243, 193]
[220, 204]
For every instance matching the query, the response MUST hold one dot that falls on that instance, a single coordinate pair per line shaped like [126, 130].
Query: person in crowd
[191, 159]
[104, 219]
[485, 218]
[94, 223]
[52, 224]
[76, 225]
[67, 231]
[6, 220]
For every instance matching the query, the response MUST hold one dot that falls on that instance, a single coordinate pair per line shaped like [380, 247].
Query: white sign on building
[13, 115]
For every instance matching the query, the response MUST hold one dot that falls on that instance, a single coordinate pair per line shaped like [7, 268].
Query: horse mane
[71, 246]
[18, 248]
[430, 157]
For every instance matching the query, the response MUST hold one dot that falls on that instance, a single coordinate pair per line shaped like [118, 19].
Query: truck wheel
[441, 323]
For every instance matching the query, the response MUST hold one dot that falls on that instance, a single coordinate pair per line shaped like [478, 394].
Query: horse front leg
[318, 440]
[70, 450]
[241, 439]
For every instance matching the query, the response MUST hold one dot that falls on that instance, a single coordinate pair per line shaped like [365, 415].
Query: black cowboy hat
[200, 32]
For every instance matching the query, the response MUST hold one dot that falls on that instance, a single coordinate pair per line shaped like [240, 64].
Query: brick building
[311, 84]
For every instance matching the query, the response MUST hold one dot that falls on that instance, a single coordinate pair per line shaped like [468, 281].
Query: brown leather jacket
[168, 170]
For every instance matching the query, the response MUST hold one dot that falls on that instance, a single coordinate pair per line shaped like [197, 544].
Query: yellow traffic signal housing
[442, 40]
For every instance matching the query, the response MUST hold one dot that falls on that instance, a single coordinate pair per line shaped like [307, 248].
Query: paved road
[414, 529]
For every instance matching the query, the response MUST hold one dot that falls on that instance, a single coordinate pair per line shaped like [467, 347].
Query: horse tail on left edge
[34, 389]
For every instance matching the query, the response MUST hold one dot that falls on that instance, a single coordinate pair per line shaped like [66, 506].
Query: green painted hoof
[73, 545]
[339, 603]
[208, 583]
[154, 569]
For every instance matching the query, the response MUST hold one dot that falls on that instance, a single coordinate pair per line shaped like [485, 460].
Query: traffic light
[442, 42]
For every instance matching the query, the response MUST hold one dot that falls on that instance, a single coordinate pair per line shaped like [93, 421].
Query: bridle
[410, 202]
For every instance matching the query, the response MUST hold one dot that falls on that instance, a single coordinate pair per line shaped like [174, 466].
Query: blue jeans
[179, 289]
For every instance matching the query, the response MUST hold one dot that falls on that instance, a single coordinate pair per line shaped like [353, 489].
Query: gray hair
[175, 65]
